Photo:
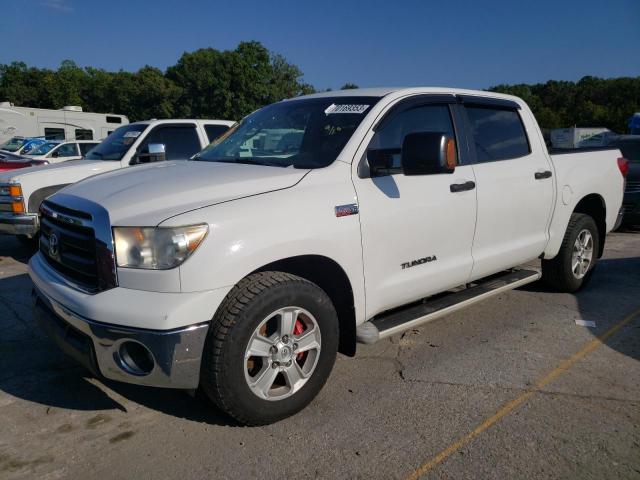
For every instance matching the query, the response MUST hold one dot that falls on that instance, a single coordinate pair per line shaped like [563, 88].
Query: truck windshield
[13, 144]
[116, 145]
[306, 133]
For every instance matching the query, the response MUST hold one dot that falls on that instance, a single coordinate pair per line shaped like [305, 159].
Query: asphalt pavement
[515, 387]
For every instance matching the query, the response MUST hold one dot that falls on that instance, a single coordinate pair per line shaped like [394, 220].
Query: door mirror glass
[155, 152]
[428, 153]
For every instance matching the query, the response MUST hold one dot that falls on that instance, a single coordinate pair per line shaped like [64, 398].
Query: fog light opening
[135, 358]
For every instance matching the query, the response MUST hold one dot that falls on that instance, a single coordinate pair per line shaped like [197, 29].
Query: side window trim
[412, 102]
[496, 104]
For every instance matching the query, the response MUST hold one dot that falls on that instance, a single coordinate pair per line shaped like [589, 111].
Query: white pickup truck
[23, 190]
[318, 222]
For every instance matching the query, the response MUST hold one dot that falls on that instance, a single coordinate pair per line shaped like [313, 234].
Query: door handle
[543, 175]
[462, 187]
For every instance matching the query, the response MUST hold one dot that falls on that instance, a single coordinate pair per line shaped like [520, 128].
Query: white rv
[68, 123]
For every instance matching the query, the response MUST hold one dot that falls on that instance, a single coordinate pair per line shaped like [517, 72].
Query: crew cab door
[514, 180]
[416, 232]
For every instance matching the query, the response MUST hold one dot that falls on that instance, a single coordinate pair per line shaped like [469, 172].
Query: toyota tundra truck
[317, 223]
[23, 190]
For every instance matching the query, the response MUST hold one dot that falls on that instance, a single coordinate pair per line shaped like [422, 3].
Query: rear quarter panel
[580, 174]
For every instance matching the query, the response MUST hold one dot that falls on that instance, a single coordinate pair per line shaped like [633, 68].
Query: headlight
[157, 248]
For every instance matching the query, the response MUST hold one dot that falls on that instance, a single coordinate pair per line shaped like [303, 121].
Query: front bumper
[106, 331]
[19, 224]
[173, 356]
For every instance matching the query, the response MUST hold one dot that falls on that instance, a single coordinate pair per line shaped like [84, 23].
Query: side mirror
[427, 153]
[55, 154]
[155, 153]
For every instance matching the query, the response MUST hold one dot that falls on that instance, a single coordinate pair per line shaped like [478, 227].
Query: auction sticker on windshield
[333, 108]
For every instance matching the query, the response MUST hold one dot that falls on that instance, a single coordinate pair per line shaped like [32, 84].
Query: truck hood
[74, 170]
[149, 194]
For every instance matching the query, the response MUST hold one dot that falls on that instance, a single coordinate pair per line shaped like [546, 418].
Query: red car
[13, 165]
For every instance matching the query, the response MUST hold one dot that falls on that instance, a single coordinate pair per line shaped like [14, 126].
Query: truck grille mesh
[68, 243]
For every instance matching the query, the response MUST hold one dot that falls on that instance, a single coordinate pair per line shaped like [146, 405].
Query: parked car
[629, 145]
[131, 144]
[15, 164]
[67, 123]
[318, 222]
[15, 147]
[60, 151]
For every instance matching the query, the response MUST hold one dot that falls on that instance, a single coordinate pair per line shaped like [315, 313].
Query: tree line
[210, 83]
[589, 102]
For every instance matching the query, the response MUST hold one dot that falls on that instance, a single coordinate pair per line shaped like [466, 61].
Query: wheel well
[38, 196]
[330, 277]
[594, 206]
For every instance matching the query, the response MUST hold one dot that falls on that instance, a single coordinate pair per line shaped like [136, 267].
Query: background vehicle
[570, 138]
[629, 145]
[7, 165]
[634, 124]
[18, 146]
[68, 123]
[318, 222]
[60, 151]
[131, 144]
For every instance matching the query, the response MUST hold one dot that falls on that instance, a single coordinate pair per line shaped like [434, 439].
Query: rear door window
[498, 134]
[214, 131]
[181, 142]
[85, 147]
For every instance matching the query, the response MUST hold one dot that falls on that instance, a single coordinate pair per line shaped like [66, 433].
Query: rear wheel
[571, 269]
[270, 349]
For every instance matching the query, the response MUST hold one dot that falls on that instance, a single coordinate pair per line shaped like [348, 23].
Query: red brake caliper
[298, 328]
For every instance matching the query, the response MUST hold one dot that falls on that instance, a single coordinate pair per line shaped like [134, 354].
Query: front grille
[632, 187]
[68, 243]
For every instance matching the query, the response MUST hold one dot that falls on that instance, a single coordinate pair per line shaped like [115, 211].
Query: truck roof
[383, 91]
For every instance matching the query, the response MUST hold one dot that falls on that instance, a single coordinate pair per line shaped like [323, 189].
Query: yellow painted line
[516, 402]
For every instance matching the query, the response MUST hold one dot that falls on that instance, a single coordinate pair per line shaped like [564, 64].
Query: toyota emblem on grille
[53, 245]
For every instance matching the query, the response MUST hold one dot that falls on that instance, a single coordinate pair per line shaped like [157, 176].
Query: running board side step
[413, 316]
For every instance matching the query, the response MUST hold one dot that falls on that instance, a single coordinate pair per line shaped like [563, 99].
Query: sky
[456, 43]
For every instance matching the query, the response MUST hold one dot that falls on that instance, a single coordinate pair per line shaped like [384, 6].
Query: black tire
[558, 272]
[30, 243]
[247, 305]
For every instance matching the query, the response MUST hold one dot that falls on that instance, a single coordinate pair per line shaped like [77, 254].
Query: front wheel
[270, 349]
[571, 269]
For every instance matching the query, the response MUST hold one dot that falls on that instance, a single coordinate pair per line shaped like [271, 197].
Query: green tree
[233, 83]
